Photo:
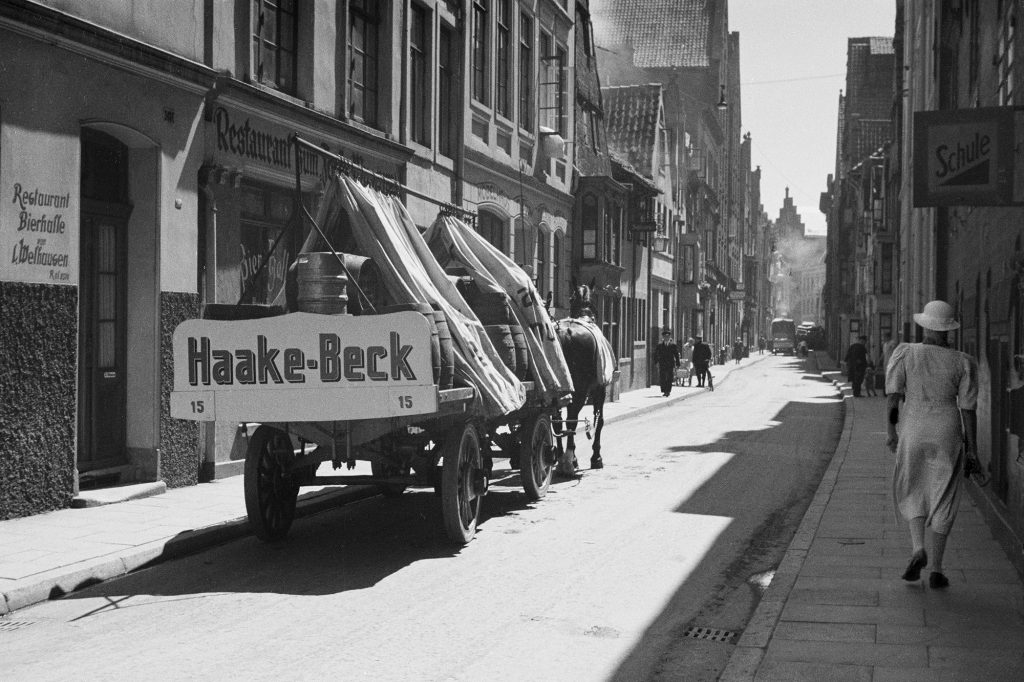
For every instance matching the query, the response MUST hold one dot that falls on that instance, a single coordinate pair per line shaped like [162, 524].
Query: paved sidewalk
[837, 608]
[49, 555]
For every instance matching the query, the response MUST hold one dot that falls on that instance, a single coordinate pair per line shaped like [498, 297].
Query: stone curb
[746, 658]
[66, 579]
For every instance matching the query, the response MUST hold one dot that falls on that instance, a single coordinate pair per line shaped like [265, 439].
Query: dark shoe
[917, 562]
[596, 462]
[937, 581]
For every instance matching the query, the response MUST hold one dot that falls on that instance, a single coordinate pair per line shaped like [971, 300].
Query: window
[606, 235]
[525, 72]
[556, 267]
[885, 283]
[519, 237]
[687, 269]
[447, 104]
[364, 27]
[274, 38]
[588, 220]
[419, 46]
[546, 82]
[264, 212]
[481, 92]
[616, 235]
[563, 118]
[1005, 53]
[492, 228]
[543, 283]
[502, 91]
[884, 328]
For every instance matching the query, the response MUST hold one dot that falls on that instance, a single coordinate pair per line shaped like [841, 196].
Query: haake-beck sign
[303, 367]
[965, 157]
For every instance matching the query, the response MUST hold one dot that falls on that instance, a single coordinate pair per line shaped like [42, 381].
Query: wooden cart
[316, 400]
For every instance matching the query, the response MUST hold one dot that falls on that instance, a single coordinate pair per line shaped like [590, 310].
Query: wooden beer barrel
[447, 351]
[501, 336]
[522, 352]
[322, 283]
[427, 311]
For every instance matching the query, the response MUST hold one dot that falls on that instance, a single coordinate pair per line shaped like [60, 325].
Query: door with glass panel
[102, 308]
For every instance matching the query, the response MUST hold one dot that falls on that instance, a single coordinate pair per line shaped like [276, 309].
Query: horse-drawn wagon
[416, 387]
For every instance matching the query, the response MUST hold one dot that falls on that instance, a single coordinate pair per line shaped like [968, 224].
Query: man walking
[666, 355]
[737, 350]
[857, 363]
[701, 359]
[760, 345]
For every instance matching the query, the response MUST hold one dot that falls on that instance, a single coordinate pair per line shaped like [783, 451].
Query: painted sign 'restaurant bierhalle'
[966, 157]
[303, 367]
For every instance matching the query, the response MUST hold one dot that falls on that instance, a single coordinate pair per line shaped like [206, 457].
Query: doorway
[102, 395]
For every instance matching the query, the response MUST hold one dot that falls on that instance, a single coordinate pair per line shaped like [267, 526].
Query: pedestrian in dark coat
[857, 363]
[737, 350]
[666, 355]
[701, 359]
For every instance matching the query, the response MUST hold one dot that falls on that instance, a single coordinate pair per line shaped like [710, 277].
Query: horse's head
[579, 300]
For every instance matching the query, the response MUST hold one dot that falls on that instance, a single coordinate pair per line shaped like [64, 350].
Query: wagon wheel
[464, 482]
[381, 469]
[271, 490]
[536, 456]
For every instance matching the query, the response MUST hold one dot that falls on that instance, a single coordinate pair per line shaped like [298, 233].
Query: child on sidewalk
[869, 379]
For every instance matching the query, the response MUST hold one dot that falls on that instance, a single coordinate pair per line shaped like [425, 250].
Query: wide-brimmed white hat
[937, 316]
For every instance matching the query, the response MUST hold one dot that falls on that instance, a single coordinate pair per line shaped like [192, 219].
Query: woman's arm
[892, 410]
[970, 418]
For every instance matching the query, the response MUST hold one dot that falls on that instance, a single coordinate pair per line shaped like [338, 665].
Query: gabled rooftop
[632, 114]
[662, 33]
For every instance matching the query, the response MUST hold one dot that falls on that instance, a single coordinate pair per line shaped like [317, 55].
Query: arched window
[492, 228]
[556, 268]
[542, 278]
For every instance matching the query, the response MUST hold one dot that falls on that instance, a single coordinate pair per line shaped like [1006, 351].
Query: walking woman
[938, 388]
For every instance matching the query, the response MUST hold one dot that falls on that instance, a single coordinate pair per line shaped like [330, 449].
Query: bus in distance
[783, 336]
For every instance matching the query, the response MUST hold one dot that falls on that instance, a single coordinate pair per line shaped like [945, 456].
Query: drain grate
[711, 634]
[9, 625]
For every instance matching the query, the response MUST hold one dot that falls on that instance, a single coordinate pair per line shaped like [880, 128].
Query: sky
[792, 68]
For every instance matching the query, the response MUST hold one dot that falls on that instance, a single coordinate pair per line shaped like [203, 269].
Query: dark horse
[582, 354]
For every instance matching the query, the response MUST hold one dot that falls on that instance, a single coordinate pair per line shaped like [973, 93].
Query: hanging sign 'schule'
[964, 157]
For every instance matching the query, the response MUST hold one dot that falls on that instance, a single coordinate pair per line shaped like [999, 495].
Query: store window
[265, 213]
[274, 36]
[492, 228]
[364, 74]
[419, 49]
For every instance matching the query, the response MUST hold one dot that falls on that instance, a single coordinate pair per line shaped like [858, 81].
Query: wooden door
[102, 386]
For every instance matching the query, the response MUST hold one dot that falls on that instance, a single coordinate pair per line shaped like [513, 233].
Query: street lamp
[722, 104]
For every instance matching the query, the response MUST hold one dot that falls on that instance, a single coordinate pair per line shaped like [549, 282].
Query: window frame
[526, 43]
[371, 22]
[261, 45]
[420, 130]
[480, 63]
[503, 47]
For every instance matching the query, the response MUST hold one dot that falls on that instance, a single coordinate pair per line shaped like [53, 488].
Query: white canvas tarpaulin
[454, 242]
[377, 225]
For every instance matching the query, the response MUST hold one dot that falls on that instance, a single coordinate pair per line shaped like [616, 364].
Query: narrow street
[600, 580]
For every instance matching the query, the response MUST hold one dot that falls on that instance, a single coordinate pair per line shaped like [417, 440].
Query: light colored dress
[937, 382]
